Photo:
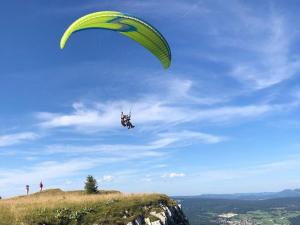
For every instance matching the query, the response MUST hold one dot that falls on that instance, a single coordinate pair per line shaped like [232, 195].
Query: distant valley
[281, 208]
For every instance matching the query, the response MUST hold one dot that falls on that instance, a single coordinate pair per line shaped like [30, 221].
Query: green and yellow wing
[132, 27]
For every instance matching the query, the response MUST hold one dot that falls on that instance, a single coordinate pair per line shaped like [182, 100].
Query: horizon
[173, 196]
[222, 119]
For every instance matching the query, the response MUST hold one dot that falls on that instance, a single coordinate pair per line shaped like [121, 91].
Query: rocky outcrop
[166, 216]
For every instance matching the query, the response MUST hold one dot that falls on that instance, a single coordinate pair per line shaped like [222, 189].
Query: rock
[168, 216]
[147, 221]
[138, 221]
[156, 223]
[161, 216]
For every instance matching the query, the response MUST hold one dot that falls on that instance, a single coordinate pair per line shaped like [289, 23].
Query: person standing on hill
[41, 186]
[27, 189]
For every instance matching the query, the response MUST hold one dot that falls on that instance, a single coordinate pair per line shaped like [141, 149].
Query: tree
[91, 185]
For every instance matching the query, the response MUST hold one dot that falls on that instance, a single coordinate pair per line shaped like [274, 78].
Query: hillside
[56, 207]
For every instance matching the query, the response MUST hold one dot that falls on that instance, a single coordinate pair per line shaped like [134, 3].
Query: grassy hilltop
[56, 207]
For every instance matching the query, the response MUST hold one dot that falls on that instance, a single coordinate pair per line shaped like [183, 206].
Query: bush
[91, 185]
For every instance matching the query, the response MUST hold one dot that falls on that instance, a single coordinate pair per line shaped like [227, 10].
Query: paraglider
[125, 120]
[132, 27]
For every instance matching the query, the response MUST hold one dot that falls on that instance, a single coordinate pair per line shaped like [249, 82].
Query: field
[282, 211]
[55, 207]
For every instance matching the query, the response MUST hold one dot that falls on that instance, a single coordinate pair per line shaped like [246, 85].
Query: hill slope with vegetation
[56, 207]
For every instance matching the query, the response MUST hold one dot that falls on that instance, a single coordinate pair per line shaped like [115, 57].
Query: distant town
[233, 219]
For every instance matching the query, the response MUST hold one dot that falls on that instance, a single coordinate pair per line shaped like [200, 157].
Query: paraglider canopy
[132, 27]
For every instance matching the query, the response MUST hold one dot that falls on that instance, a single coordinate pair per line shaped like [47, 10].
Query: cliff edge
[168, 215]
[56, 207]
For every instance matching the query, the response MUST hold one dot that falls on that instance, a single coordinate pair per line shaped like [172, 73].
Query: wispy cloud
[150, 148]
[188, 136]
[257, 46]
[127, 151]
[187, 91]
[16, 138]
[173, 175]
[182, 100]
[147, 110]
[96, 156]
[48, 170]
[101, 116]
[272, 61]
[106, 116]
[105, 179]
[179, 8]
[257, 170]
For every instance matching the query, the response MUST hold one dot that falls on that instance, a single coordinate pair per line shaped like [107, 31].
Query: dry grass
[14, 210]
[56, 201]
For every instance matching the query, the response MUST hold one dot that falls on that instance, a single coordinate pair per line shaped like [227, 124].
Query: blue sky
[224, 118]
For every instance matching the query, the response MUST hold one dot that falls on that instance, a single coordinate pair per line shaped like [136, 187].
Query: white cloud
[268, 48]
[99, 117]
[46, 170]
[181, 104]
[183, 136]
[253, 177]
[247, 172]
[181, 90]
[147, 179]
[16, 138]
[257, 46]
[173, 175]
[68, 182]
[150, 148]
[229, 113]
[105, 179]
[50, 171]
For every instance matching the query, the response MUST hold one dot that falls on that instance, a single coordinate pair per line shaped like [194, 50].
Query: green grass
[55, 207]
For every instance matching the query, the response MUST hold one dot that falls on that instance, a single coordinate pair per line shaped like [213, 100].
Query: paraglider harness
[125, 120]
